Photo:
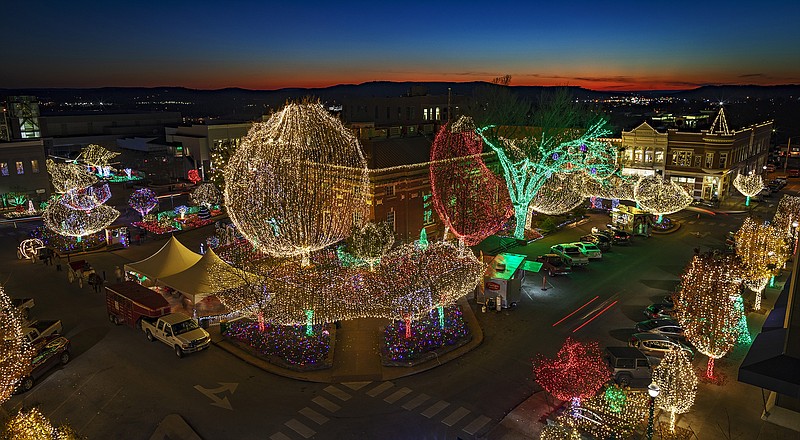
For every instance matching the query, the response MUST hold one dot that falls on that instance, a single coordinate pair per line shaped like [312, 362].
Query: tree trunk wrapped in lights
[577, 371]
[706, 305]
[678, 383]
[469, 198]
[763, 249]
[15, 352]
[748, 185]
[297, 182]
[658, 196]
[561, 139]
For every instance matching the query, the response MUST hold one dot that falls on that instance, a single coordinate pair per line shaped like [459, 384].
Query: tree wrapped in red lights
[143, 200]
[469, 198]
[577, 371]
[706, 305]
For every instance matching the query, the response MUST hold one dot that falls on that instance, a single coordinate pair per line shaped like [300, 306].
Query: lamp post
[653, 391]
[795, 235]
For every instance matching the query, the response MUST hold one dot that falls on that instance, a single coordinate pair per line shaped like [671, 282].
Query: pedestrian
[118, 274]
[58, 262]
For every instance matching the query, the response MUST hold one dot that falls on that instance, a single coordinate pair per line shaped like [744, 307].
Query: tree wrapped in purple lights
[469, 198]
[143, 200]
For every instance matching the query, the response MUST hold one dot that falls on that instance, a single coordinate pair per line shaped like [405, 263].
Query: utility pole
[786, 159]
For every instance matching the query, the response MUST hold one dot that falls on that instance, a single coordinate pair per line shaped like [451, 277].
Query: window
[709, 160]
[642, 363]
[648, 156]
[34, 166]
[390, 190]
[4, 168]
[638, 155]
[682, 158]
[438, 115]
[723, 160]
[659, 155]
[427, 209]
[20, 168]
[390, 219]
[697, 161]
[425, 114]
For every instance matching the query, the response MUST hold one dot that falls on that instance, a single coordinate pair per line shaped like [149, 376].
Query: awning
[766, 366]
[172, 258]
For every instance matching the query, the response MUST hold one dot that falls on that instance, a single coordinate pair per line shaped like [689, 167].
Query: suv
[601, 241]
[50, 353]
[553, 265]
[656, 345]
[591, 251]
[570, 254]
[628, 365]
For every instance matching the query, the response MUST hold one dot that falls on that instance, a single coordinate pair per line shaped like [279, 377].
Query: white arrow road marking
[212, 394]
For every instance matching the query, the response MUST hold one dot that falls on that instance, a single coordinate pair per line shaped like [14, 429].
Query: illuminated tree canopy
[577, 371]
[748, 185]
[370, 242]
[560, 193]
[469, 198]
[143, 200]
[787, 213]
[15, 352]
[763, 250]
[297, 182]
[677, 380]
[659, 196]
[206, 194]
[33, 425]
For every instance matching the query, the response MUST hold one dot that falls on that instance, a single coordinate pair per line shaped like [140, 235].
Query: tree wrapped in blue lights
[559, 138]
[143, 201]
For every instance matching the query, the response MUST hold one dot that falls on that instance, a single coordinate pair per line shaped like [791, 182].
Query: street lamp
[653, 391]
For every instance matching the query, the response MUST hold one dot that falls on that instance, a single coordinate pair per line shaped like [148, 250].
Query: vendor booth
[502, 281]
[631, 219]
[172, 258]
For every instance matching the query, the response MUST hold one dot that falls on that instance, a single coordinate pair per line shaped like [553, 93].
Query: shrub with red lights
[577, 371]
[471, 200]
[194, 176]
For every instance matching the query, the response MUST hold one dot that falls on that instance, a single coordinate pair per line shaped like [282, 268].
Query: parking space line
[300, 428]
[415, 402]
[313, 415]
[379, 389]
[455, 416]
[476, 425]
[435, 409]
[336, 392]
[397, 395]
[327, 404]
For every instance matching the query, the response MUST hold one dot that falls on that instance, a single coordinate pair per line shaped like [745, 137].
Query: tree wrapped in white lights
[368, 244]
[67, 176]
[559, 139]
[787, 216]
[706, 305]
[749, 185]
[763, 249]
[15, 352]
[659, 196]
[33, 425]
[616, 186]
[206, 194]
[297, 182]
[677, 380]
[560, 193]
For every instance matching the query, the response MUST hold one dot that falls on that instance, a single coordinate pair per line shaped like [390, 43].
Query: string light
[744, 331]
[528, 161]
[763, 249]
[787, 213]
[470, 200]
[748, 185]
[27, 248]
[560, 193]
[15, 352]
[297, 182]
[96, 156]
[367, 244]
[67, 176]
[33, 425]
[86, 199]
[616, 186]
[675, 377]
[206, 194]
[290, 344]
[659, 196]
[143, 200]
[706, 308]
[194, 176]
[577, 371]
[77, 223]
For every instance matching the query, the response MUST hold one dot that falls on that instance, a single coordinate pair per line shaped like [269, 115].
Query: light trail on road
[595, 316]
[574, 312]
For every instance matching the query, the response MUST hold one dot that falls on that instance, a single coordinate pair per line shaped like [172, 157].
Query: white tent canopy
[172, 258]
[196, 281]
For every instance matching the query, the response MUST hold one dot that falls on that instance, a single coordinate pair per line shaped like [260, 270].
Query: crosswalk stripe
[279, 436]
[415, 402]
[455, 416]
[379, 389]
[336, 392]
[476, 425]
[435, 409]
[355, 386]
[327, 404]
[397, 395]
[300, 428]
[313, 415]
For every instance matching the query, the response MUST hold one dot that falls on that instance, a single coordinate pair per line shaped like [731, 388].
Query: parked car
[178, 331]
[570, 254]
[617, 236]
[663, 326]
[37, 330]
[591, 251]
[705, 203]
[553, 264]
[659, 310]
[51, 352]
[770, 168]
[601, 241]
[655, 345]
[628, 365]
[793, 172]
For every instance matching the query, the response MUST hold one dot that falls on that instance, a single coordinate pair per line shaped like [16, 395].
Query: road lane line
[313, 415]
[379, 389]
[435, 409]
[336, 392]
[455, 416]
[415, 402]
[327, 404]
[476, 425]
[300, 428]
[397, 395]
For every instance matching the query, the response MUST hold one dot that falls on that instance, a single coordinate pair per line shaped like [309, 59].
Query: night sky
[266, 45]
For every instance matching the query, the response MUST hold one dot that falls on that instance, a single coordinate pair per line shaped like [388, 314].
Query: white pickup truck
[24, 305]
[178, 331]
[37, 330]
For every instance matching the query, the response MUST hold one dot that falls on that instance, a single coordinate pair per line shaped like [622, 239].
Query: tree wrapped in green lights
[560, 138]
